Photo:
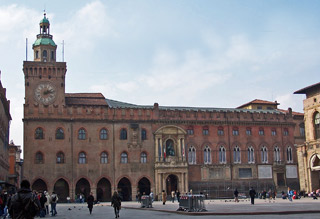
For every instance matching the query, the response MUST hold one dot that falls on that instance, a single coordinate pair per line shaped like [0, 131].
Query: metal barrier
[146, 201]
[192, 203]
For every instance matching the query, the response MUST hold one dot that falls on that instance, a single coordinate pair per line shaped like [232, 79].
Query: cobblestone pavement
[280, 208]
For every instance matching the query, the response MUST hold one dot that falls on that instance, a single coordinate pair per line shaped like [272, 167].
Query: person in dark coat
[252, 194]
[90, 201]
[17, 206]
[43, 200]
[116, 203]
[236, 194]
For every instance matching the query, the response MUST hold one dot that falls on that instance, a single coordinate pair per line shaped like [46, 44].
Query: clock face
[45, 93]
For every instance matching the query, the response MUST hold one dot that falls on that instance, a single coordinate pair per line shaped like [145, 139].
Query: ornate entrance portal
[171, 167]
[172, 184]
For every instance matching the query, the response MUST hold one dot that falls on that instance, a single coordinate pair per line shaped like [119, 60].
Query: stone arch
[124, 189]
[39, 185]
[61, 188]
[144, 186]
[163, 130]
[104, 190]
[83, 187]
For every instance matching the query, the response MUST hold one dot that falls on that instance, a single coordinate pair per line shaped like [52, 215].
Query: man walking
[53, 200]
[24, 204]
[252, 194]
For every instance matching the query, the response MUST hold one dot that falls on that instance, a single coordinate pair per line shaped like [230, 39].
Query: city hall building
[80, 142]
[309, 151]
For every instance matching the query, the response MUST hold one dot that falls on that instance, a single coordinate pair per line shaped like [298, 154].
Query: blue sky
[175, 52]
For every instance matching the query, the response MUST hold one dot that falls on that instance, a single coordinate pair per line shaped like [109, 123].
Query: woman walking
[116, 203]
[90, 201]
[164, 197]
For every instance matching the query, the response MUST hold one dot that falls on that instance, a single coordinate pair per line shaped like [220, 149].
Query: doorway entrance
[280, 179]
[124, 189]
[171, 184]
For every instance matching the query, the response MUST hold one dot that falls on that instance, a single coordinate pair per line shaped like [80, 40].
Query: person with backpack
[53, 201]
[24, 204]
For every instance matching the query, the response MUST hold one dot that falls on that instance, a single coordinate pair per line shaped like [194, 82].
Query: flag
[183, 155]
[164, 151]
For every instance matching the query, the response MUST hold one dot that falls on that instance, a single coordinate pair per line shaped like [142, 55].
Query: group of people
[26, 203]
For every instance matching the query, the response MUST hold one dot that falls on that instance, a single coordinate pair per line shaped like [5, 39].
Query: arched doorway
[144, 186]
[124, 189]
[83, 187]
[39, 185]
[104, 190]
[61, 188]
[172, 183]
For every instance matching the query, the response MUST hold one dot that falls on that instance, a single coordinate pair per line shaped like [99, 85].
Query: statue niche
[170, 148]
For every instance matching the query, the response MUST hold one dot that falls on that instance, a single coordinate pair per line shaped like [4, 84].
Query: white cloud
[86, 27]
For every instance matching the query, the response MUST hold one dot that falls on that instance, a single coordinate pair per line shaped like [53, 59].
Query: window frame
[61, 133]
[39, 158]
[143, 134]
[60, 158]
[236, 154]
[289, 154]
[123, 134]
[104, 157]
[143, 157]
[124, 157]
[82, 134]
[220, 131]
[264, 154]
[222, 155]
[207, 155]
[82, 158]
[276, 154]
[251, 155]
[103, 134]
[192, 155]
[39, 133]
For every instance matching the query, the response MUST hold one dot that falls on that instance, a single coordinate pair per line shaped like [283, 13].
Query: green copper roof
[44, 20]
[44, 41]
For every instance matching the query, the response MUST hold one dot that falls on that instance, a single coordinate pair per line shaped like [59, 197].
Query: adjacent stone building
[80, 142]
[5, 119]
[309, 151]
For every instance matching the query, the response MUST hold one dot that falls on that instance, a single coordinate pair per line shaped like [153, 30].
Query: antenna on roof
[26, 49]
[62, 50]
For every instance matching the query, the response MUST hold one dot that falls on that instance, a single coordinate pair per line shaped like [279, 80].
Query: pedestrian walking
[290, 194]
[151, 196]
[43, 200]
[252, 194]
[236, 194]
[47, 202]
[172, 196]
[24, 204]
[53, 201]
[90, 201]
[116, 203]
[178, 196]
[164, 197]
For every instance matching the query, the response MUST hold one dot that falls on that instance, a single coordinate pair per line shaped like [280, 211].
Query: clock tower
[44, 77]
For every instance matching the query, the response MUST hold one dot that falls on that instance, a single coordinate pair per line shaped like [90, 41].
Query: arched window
[103, 134]
[222, 155]
[60, 157]
[37, 54]
[123, 134]
[285, 132]
[264, 154]
[261, 131]
[248, 131]
[190, 130]
[82, 158]
[236, 155]
[170, 148]
[250, 154]
[52, 55]
[220, 131]
[207, 155]
[82, 134]
[235, 131]
[124, 157]
[273, 132]
[277, 158]
[39, 158]
[317, 125]
[143, 134]
[39, 134]
[192, 155]
[44, 54]
[289, 155]
[205, 130]
[104, 157]
[59, 133]
[143, 157]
